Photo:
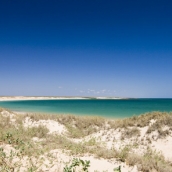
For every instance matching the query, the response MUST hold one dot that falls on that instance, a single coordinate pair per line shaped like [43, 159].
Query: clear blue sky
[86, 48]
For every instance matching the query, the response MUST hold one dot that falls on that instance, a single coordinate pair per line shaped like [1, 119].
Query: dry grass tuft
[162, 118]
[81, 126]
[130, 132]
[150, 161]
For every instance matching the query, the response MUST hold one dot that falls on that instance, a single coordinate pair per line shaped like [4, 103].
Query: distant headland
[13, 98]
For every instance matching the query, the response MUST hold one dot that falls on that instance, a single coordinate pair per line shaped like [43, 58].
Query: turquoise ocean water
[107, 108]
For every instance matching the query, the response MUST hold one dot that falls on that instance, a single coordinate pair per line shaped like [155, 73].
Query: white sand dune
[56, 159]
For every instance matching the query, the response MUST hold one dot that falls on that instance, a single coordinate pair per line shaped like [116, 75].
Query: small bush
[40, 131]
[128, 133]
[84, 165]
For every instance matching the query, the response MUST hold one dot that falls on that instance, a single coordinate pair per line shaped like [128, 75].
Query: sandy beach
[13, 98]
[107, 144]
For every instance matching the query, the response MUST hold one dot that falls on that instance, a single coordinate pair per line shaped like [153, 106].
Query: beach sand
[17, 98]
[107, 137]
[13, 98]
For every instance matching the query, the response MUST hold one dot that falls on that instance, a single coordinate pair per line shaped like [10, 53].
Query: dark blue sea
[119, 108]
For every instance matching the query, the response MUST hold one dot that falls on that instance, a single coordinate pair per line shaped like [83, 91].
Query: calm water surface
[106, 108]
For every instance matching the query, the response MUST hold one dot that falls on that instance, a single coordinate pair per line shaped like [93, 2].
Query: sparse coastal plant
[76, 163]
[130, 132]
[117, 169]
[5, 164]
[163, 118]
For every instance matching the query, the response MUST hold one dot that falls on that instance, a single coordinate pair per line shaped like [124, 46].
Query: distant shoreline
[16, 98]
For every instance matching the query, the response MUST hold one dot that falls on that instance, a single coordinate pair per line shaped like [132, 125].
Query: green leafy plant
[76, 163]
[118, 169]
[4, 163]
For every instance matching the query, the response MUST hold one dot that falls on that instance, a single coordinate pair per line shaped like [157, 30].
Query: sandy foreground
[104, 140]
